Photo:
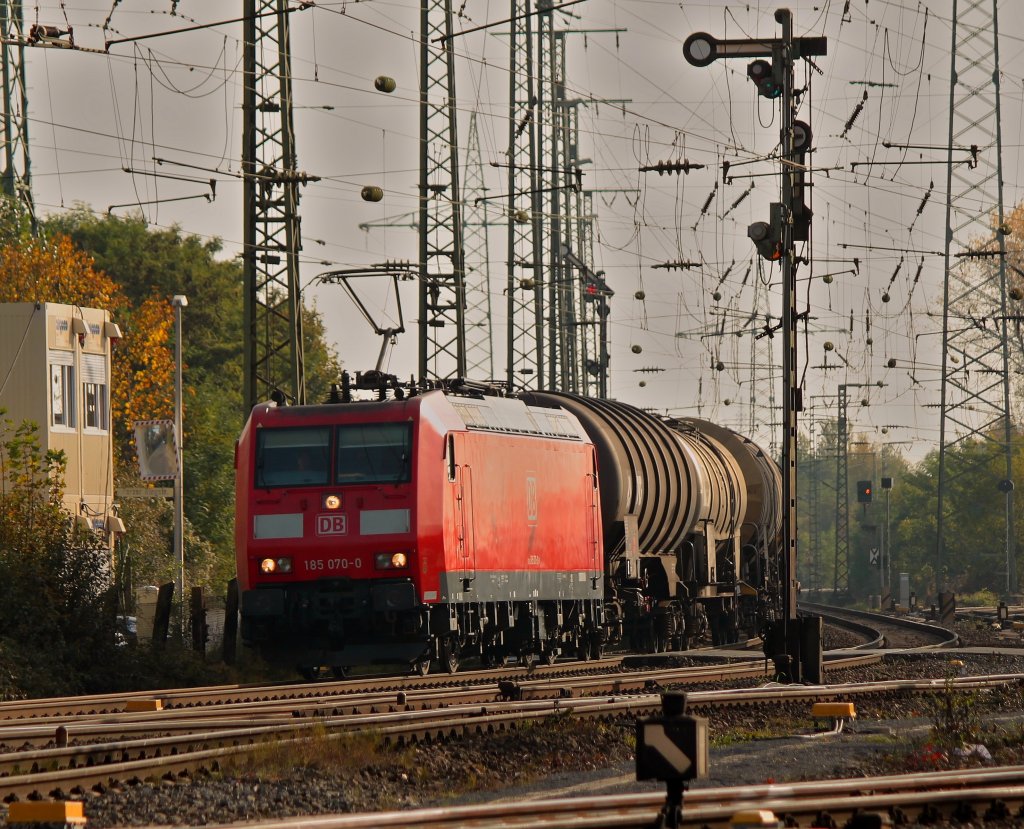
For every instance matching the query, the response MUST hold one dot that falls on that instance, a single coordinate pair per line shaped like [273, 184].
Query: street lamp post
[179, 301]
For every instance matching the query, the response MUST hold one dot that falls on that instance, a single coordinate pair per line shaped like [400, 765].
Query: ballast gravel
[567, 757]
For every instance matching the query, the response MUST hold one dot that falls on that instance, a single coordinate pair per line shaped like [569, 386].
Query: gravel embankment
[570, 756]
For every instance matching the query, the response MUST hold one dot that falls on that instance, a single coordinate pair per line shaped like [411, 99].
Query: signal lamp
[767, 236]
[864, 492]
[390, 561]
[767, 77]
[276, 565]
[332, 501]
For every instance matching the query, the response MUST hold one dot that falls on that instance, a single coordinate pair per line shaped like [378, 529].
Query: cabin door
[463, 491]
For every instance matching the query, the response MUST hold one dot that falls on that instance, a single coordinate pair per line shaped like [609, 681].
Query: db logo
[531, 500]
[332, 524]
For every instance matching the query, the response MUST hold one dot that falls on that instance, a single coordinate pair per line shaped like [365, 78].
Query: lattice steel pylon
[442, 330]
[592, 336]
[479, 330]
[15, 178]
[270, 182]
[841, 574]
[554, 158]
[975, 404]
[524, 291]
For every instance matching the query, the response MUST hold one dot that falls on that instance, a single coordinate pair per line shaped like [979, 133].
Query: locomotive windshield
[374, 453]
[292, 457]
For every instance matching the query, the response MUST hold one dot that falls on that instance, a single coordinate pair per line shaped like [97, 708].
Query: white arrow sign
[656, 738]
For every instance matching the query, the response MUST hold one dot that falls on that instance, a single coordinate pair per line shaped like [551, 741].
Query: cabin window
[374, 453]
[293, 457]
[62, 395]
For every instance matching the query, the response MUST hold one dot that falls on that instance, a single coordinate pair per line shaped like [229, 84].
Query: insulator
[719, 366]
[827, 279]
[885, 296]
[829, 345]
[727, 401]
[716, 296]
[1016, 294]
[643, 384]
[865, 402]
[636, 349]
[640, 295]
[521, 217]
[891, 362]
[869, 341]
[372, 193]
[528, 284]
[385, 84]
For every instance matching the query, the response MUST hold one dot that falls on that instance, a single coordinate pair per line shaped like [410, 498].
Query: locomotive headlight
[332, 501]
[276, 565]
[390, 561]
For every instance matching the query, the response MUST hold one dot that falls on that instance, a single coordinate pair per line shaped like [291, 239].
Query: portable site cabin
[55, 371]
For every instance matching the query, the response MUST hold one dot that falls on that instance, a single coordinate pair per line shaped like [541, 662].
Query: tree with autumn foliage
[41, 269]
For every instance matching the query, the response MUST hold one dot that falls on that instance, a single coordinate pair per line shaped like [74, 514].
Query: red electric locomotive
[427, 527]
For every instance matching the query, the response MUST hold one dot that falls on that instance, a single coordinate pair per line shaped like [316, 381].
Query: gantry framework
[271, 238]
[15, 178]
[442, 297]
[525, 301]
[975, 405]
[479, 331]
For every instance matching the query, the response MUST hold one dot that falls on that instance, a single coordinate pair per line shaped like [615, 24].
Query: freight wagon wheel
[583, 648]
[450, 654]
[421, 667]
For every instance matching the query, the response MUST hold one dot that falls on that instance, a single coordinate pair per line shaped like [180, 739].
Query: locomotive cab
[432, 527]
[325, 548]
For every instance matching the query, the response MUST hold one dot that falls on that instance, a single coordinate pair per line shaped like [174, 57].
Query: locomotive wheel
[340, 671]
[549, 657]
[450, 654]
[421, 667]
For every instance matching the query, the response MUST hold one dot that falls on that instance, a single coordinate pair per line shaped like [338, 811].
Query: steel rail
[928, 796]
[189, 720]
[80, 767]
[946, 638]
[113, 703]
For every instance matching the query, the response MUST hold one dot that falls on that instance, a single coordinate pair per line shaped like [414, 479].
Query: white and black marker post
[673, 748]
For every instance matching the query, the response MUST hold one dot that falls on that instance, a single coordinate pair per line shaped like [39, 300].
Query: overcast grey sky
[177, 97]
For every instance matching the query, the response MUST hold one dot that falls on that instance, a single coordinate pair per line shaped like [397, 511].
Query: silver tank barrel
[645, 470]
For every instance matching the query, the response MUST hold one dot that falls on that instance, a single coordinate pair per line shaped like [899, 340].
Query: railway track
[959, 796]
[59, 748]
[63, 771]
[894, 632]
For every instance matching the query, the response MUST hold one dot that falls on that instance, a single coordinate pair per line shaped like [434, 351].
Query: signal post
[795, 642]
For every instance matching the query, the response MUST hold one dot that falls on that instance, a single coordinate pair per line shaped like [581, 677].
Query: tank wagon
[437, 525]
